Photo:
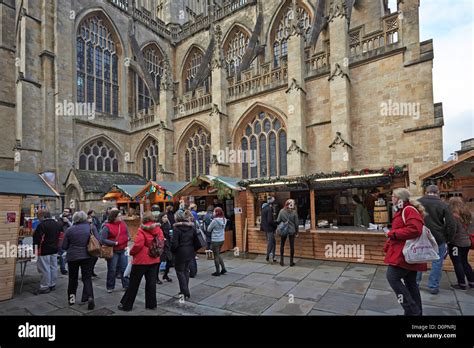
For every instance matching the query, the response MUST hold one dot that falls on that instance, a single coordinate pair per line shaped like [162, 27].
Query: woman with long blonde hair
[460, 244]
[288, 216]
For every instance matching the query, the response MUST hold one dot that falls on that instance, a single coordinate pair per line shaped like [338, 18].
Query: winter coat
[183, 241]
[110, 231]
[76, 240]
[50, 230]
[217, 229]
[143, 241]
[461, 234]
[399, 234]
[268, 223]
[170, 215]
[291, 217]
[167, 255]
[438, 219]
[195, 216]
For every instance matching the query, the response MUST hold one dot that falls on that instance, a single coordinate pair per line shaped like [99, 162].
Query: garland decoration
[393, 171]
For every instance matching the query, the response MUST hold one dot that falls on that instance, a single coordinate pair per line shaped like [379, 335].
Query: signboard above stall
[359, 182]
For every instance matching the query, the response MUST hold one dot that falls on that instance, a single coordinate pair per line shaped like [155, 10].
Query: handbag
[199, 240]
[422, 249]
[107, 252]
[471, 237]
[282, 229]
[93, 246]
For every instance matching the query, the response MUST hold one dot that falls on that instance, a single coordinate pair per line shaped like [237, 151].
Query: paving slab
[202, 291]
[274, 288]
[253, 280]
[274, 269]
[319, 313]
[467, 308]
[326, 273]
[441, 311]
[311, 290]
[380, 301]
[248, 268]
[224, 280]
[465, 296]
[359, 271]
[294, 273]
[339, 302]
[225, 297]
[285, 307]
[308, 263]
[251, 304]
[351, 285]
[445, 298]
[64, 311]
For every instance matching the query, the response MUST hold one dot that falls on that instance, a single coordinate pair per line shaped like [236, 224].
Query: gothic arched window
[234, 49]
[191, 68]
[283, 29]
[97, 65]
[154, 63]
[150, 160]
[99, 156]
[197, 156]
[265, 136]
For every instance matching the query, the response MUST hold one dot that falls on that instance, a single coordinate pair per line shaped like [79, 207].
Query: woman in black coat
[167, 255]
[182, 247]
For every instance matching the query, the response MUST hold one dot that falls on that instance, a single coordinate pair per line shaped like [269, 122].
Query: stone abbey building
[160, 88]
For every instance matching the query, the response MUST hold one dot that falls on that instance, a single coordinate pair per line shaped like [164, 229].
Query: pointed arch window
[266, 138]
[191, 68]
[154, 63]
[150, 160]
[234, 49]
[99, 156]
[197, 156]
[283, 29]
[97, 65]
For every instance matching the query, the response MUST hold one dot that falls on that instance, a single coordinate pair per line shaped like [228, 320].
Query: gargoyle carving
[339, 141]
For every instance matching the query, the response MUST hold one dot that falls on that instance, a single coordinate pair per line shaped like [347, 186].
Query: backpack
[156, 248]
[422, 249]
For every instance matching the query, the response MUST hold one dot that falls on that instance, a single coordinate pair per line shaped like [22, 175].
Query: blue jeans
[62, 260]
[436, 269]
[271, 245]
[120, 261]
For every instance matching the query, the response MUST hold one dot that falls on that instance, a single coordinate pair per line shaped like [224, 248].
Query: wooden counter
[311, 244]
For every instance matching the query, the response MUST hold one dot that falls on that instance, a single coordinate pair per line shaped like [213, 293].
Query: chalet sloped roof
[102, 182]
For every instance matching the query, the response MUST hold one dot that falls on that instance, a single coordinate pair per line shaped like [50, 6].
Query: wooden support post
[313, 209]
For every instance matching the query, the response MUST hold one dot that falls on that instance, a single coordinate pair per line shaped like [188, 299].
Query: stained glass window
[197, 157]
[234, 49]
[150, 159]
[269, 145]
[95, 50]
[98, 156]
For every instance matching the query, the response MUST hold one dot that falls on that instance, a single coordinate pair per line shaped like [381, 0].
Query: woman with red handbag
[460, 244]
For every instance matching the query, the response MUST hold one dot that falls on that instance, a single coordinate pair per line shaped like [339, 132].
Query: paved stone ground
[252, 287]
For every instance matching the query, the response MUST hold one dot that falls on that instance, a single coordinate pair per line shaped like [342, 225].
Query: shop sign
[351, 183]
[11, 217]
[212, 190]
[237, 211]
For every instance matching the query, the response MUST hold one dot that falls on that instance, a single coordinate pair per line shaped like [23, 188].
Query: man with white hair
[439, 220]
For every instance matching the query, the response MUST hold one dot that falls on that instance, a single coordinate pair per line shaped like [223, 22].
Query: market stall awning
[230, 183]
[165, 189]
[25, 184]
[123, 192]
[327, 181]
[448, 166]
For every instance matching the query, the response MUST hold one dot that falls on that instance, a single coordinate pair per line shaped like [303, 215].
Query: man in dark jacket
[46, 238]
[268, 225]
[65, 221]
[439, 220]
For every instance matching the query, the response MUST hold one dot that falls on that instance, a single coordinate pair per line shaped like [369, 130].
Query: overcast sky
[450, 24]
